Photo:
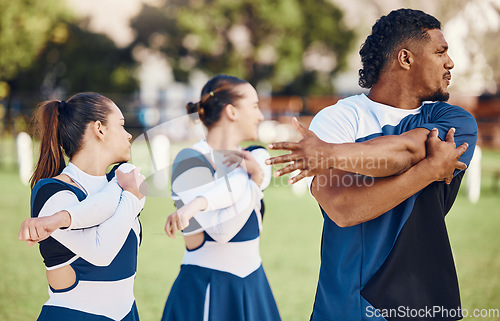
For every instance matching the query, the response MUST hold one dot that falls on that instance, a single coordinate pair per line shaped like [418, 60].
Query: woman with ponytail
[85, 220]
[217, 189]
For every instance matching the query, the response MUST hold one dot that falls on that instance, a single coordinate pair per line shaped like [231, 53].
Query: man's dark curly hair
[388, 34]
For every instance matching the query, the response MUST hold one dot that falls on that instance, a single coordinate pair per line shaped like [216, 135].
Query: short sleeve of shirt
[445, 116]
[335, 124]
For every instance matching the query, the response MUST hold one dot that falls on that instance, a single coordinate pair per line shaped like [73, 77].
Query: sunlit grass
[290, 252]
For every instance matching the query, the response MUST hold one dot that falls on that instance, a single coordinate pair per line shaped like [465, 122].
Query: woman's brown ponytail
[51, 161]
[61, 126]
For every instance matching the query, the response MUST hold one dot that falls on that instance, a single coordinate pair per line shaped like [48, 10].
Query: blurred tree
[25, 26]
[75, 59]
[72, 59]
[296, 45]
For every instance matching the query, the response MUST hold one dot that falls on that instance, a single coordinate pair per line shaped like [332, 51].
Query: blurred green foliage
[25, 26]
[289, 43]
[294, 46]
[46, 52]
[74, 60]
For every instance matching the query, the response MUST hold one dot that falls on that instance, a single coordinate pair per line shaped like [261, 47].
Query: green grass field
[290, 251]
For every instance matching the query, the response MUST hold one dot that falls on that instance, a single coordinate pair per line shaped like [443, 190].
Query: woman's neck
[90, 165]
[223, 138]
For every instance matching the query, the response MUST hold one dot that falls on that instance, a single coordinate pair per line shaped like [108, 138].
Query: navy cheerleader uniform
[223, 278]
[100, 246]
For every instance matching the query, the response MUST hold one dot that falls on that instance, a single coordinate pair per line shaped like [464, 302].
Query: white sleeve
[98, 207]
[219, 193]
[97, 245]
[335, 124]
[223, 225]
[226, 190]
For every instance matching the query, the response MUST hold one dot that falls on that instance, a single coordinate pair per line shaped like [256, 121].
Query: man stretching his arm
[385, 251]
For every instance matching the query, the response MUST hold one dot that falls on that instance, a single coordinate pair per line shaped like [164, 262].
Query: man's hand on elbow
[443, 157]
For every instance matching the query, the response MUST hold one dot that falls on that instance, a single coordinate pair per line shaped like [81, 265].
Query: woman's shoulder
[46, 188]
[186, 153]
[189, 158]
[56, 180]
[53, 185]
[63, 178]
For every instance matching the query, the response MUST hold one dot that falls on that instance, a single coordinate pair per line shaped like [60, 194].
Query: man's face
[432, 68]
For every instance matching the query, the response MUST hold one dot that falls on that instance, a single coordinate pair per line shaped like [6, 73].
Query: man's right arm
[331, 144]
[378, 157]
[381, 156]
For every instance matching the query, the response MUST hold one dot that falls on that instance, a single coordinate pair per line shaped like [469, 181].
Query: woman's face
[249, 114]
[117, 139]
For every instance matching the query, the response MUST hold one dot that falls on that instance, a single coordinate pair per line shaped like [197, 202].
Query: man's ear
[99, 130]
[405, 59]
[231, 112]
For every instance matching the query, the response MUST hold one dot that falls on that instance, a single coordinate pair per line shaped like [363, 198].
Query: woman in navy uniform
[91, 253]
[219, 210]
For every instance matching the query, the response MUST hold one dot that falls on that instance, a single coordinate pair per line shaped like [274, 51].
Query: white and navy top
[233, 219]
[100, 245]
[402, 258]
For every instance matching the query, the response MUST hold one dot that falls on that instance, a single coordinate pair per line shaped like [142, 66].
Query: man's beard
[439, 95]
